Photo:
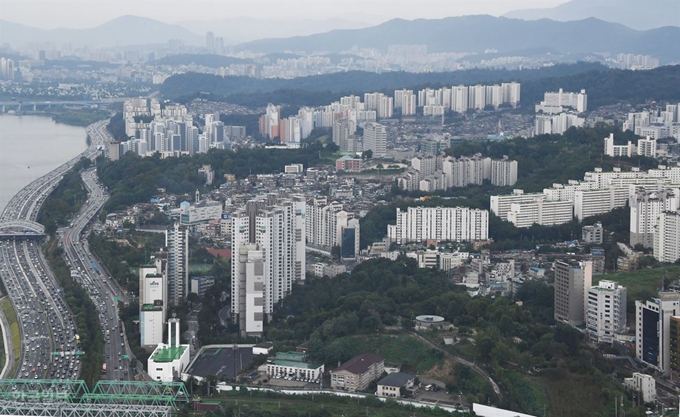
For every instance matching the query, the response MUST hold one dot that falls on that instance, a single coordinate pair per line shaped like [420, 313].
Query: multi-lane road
[47, 326]
[103, 291]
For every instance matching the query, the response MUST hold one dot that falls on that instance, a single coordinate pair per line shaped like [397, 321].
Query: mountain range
[121, 31]
[245, 29]
[482, 32]
[636, 14]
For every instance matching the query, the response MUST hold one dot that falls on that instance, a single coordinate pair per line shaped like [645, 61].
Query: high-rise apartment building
[455, 224]
[268, 255]
[572, 281]
[606, 311]
[667, 237]
[210, 42]
[645, 208]
[269, 122]
[503, 172]
[177, 244]
[647, 147]
[459, 98]
[375, 139]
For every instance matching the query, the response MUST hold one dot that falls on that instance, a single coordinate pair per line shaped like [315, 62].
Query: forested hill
[358, 81]
[604, 85]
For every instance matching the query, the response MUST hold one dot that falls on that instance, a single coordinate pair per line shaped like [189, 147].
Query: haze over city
[47, 14]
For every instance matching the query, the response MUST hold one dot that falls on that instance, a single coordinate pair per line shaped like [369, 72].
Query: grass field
[643, 282]
[302, 406]
[412, 354]
[593, 398]
[200, 268]
[14, 329]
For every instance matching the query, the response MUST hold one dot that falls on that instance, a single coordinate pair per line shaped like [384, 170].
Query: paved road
[460, 360]
[103, 291]
[45, 321]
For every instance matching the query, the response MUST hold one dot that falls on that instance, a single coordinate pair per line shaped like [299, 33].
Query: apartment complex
[598, 193]
[645, 208]
[456, 224]
[268, 255]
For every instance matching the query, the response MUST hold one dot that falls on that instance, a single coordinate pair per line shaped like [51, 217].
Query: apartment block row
[599, 192]
[655, 124]
[328, 225]
[455, 224]
[430, 173]
[376, 106]
[645, 147]
[459, 98]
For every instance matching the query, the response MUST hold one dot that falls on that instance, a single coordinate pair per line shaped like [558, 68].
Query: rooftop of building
[223, 362]
[397, 379]
[151, 307]
[168, 353]
[293, 360]
[360, 363]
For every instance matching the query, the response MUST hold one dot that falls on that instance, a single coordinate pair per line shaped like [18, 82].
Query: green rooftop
[151, 307]
[293, 359]
[168, 354]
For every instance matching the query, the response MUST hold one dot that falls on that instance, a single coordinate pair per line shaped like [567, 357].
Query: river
[31, 146]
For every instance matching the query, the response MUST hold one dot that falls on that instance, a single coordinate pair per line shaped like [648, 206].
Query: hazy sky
[87, 13]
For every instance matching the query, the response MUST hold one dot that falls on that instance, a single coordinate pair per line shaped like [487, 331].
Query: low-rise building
[168, 361]
[294, 364]
[357, 373]
[396, 385]
[200, 284]
[644, 384]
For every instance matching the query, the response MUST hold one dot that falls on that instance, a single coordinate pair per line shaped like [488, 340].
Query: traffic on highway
[49, 337]
[103, 291]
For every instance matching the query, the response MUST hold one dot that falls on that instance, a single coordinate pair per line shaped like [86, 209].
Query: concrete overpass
[21, 228]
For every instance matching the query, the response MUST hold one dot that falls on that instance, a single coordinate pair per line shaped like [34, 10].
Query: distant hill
[478, 33]
[636, 14]
[604, 85]
[245, 29]
[121, 31]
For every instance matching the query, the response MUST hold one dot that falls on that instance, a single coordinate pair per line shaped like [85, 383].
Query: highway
[103, 291]
[47, 325]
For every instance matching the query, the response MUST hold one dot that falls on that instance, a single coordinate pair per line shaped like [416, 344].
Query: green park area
[643, 283]
[10, 314]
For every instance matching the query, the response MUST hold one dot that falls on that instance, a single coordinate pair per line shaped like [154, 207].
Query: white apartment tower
[459, 99]
[667, 237]
[177, 244]
[606, 314]
[645, 208]
[276, 227]
[647, 147]
[375, 139]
